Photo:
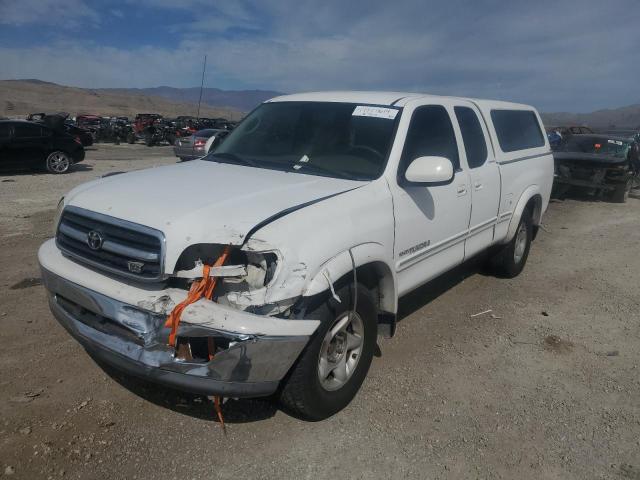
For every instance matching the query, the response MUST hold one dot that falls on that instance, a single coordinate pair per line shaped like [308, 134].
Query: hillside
[243, 100]
[20, 97]
[624, 117]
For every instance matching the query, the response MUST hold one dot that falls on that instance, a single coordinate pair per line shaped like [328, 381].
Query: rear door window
[475, 145]
[27, 130]
[430, 134]
[5, 131]
[517, 129]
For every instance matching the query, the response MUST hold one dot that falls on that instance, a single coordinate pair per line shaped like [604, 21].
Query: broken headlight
[243, 270]
[261, 268]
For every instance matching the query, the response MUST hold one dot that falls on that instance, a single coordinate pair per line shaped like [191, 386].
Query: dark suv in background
[27, 145]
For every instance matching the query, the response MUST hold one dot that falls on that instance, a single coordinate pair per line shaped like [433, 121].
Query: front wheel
[334, 364]
[510, 260]
[58, 162]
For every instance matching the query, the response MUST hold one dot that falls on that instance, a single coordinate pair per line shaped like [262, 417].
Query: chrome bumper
[135, 341]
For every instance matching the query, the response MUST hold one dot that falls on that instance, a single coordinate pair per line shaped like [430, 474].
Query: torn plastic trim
[221, 271]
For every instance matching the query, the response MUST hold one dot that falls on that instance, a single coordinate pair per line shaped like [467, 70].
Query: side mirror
[429, 171]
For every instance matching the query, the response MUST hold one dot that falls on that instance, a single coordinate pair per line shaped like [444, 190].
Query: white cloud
[555, 55]
[62, 14]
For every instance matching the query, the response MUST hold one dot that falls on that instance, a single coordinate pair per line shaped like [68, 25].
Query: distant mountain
[624, 117]
[20, 97]
[243, 100]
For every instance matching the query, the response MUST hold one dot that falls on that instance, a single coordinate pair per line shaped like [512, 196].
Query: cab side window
[475, 144]
[430, 134]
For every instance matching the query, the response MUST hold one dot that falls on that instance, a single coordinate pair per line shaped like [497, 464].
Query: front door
[431, 221]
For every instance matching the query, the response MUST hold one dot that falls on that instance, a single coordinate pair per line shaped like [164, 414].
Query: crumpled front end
[221, 349]
[591, 175]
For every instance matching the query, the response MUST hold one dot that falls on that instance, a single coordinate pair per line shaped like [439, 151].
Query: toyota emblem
[94, 240]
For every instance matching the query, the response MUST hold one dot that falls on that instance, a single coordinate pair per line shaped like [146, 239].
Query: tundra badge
[135, 267]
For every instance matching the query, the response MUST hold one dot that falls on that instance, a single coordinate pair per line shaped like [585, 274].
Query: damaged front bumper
[133, 339]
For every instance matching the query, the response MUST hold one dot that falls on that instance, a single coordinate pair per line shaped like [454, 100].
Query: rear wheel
[621, 193]
[510, 260]
[58, 162]
[131, 138]
[334, 364]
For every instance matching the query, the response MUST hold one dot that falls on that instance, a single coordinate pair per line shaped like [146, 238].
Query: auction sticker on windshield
[378, 112]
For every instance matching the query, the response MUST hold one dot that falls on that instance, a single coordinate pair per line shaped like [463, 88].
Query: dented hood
[202, 201]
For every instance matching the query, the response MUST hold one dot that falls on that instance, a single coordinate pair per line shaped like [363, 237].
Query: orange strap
[202, 288]
[217, 405]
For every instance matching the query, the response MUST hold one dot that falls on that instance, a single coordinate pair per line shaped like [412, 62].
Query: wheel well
[378, 279]
[534, 207]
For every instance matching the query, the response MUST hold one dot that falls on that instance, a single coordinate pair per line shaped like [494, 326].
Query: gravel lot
[546, 385]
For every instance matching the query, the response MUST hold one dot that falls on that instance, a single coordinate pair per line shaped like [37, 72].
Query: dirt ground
[546, 385]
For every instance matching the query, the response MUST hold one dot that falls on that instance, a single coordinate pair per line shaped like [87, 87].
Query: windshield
[342, 140]
[598, 145]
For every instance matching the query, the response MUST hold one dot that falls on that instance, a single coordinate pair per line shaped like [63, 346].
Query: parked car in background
[555, 135]
[272, 264]
[92, 123]
[60, 121]
[600, 164]
[566, 130]
[151, 128]
[28, 145]
[193, 146]
[82, 135]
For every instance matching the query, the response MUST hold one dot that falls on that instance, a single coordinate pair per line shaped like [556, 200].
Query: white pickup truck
[308, 223]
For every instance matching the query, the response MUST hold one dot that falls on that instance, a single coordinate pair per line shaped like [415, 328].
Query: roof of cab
[398, 99]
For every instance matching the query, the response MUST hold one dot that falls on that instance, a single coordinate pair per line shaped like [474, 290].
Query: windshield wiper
[324, 170]
[235, 158]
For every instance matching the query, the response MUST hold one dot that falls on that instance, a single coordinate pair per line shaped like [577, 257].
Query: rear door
[7, 154]
[484, 176]
[28, 144]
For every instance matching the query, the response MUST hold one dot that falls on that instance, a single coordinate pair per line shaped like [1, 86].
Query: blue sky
[562, 55]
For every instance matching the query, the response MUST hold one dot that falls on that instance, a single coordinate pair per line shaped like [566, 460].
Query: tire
[510, 260]
[304, 394]
[148, 140]
[58, 162]
[131, 138]
[621, 193]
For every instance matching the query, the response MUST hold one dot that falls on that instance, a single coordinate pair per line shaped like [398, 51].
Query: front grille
[118, 246]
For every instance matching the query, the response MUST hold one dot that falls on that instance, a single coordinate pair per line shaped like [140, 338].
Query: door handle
[462, 190]
[477, 186]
